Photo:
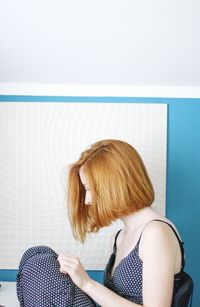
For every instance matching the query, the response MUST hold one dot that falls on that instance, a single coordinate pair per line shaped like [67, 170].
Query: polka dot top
[126, 279]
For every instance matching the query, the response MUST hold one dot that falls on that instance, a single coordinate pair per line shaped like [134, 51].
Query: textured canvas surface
[37, 143]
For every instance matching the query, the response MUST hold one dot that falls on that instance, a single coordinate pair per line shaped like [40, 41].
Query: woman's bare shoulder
[159, 238]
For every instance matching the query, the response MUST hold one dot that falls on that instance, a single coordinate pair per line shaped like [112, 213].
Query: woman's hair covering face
[119, 185]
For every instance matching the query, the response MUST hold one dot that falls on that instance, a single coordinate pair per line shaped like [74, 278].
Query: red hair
[119, 185]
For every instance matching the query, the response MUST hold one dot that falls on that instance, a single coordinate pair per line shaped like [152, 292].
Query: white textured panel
[8, 295]
[37, 142]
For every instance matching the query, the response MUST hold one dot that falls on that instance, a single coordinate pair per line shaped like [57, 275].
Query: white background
[110, 42]
[37, 143]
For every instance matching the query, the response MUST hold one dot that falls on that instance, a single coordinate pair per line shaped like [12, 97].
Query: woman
[107, 183]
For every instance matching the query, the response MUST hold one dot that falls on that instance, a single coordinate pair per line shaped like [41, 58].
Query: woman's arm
[158, 248]
[105, 297]
[99, 293]
[157, 252]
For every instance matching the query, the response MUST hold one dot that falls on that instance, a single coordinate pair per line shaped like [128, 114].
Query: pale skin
[159, 250]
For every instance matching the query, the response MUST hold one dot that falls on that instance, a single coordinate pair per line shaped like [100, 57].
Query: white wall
[107, 42]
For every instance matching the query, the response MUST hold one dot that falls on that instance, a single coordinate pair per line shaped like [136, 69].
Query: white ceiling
[110, 42]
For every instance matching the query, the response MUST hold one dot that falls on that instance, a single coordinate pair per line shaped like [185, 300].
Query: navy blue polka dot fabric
[41, 284]
[126, 279]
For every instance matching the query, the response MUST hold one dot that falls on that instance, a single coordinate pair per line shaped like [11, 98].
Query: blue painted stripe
[8, 275]
[26, 98]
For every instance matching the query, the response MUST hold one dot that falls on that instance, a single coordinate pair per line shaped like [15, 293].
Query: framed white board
[37, 143]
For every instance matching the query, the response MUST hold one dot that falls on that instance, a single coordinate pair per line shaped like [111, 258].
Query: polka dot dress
[126, 279]
[41, 284]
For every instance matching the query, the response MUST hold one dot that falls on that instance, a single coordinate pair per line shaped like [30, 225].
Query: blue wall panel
[183, 172]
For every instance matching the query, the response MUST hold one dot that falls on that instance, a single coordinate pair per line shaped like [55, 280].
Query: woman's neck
[138, 219]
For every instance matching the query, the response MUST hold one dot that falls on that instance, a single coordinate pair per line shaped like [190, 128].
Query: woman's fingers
[71, 265]
[68, 263]
[66, 257]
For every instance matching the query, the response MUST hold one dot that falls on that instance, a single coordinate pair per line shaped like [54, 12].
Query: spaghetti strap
[174, 231]
[126, 278]
[115, 242]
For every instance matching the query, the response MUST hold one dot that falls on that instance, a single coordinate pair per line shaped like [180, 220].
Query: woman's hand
[72, 266]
